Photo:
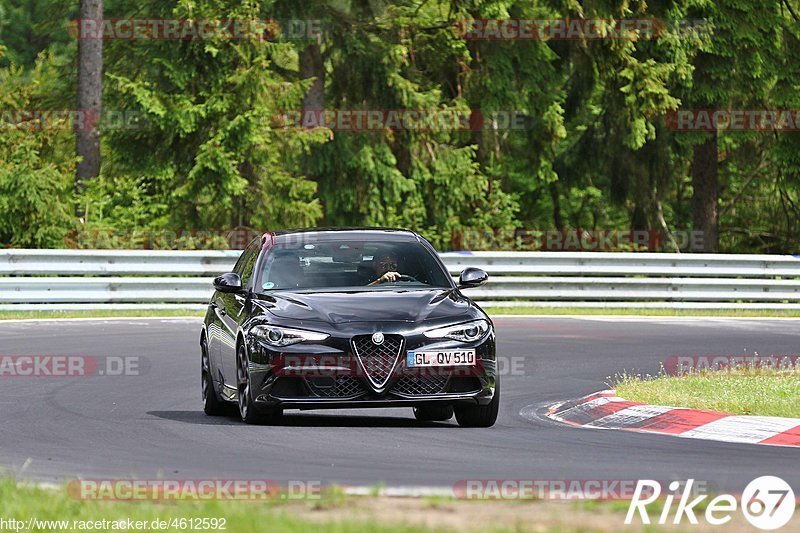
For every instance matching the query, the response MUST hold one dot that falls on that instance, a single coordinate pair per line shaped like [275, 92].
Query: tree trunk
[558, 219]
[312, 66]
[90, 89]
[705, 181]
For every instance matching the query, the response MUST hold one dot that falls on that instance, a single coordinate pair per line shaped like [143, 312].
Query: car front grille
[378, 360]
[339, 387]
[420, 385]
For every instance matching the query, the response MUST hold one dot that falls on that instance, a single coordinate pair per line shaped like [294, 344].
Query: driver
[385, 269]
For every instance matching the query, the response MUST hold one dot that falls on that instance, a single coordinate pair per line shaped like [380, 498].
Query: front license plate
[441, 358]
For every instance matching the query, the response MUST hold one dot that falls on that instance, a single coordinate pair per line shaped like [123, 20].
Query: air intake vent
[420, 385]
[338, 387]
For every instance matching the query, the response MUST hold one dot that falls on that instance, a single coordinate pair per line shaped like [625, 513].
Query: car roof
[345, 233]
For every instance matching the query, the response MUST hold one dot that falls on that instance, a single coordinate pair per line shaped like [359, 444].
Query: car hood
[338, 307]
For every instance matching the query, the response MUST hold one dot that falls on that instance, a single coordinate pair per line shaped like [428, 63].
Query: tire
[212, 406]
[433, 413]
[479, 416]
[248, 411]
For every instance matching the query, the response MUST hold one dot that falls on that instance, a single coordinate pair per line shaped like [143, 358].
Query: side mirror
[229, 282]
[472, 277]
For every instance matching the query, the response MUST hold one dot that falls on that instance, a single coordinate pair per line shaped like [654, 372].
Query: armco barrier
[91, 279]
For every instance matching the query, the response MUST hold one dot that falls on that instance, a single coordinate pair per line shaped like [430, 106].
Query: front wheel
[479, 416]
[247, 409]
[212, 406]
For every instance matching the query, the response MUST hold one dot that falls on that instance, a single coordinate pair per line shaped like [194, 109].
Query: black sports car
[344, 318]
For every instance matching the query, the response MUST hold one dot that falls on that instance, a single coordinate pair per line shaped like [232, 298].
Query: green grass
[741, 391]
[21, 502]
[333, 512]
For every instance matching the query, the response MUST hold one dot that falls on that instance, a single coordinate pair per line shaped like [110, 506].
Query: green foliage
[590, 148]
[209, 143]
[36, 165]
[122, 203]
[29, 28]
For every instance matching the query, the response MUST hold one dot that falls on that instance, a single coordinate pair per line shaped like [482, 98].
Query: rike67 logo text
[767, 502]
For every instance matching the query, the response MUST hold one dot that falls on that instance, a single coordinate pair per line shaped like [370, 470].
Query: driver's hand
[388, 277]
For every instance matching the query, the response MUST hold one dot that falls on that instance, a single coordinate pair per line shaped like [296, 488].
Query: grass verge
[24, 502]
[743, 391]
[333, 512]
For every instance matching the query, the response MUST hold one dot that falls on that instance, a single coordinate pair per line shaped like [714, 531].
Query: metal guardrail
[90, 279]
[116, 262]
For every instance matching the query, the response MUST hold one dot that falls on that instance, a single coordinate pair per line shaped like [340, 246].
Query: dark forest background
[191, 136]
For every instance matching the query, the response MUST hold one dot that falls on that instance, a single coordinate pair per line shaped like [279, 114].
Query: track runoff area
[122, 395]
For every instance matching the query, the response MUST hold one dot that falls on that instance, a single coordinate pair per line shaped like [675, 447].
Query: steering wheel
[406, 277]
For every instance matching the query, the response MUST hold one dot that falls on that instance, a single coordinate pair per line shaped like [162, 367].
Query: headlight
[279, 337]
[467, 332]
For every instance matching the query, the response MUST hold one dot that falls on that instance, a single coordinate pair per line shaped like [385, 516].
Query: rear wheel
[247, 409]
[433, 413]
[479, 416]
[212, 406]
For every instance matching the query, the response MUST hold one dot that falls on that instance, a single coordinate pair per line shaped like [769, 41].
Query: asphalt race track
[152, 425]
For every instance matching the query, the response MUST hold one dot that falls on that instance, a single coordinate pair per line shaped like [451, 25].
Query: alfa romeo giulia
[348, 318]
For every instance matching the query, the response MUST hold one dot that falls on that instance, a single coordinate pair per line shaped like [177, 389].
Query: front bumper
[305, 403]
[330, 376]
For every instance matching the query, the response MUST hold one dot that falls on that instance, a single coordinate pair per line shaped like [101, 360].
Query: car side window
[239, 262]
[247, 263]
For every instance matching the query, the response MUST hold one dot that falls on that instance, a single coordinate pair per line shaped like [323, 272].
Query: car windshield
[370, 265]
